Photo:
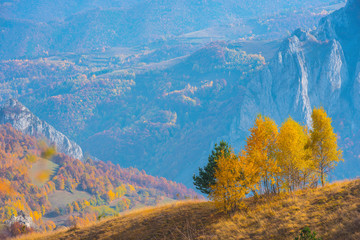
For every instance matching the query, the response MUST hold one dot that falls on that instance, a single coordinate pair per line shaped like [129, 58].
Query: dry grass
[333, 212]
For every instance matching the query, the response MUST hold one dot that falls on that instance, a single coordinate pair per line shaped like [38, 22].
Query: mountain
[312, 69]
[158, 119]
[56, 190]
[22, 119]
[30, 29]
[40, 10]
[162, 107]
[331, 211]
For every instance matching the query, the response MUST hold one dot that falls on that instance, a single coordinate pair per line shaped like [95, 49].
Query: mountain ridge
[88, 25]
[22, 119]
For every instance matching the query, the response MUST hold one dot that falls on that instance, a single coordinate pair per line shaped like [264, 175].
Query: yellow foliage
[43, 210]
[86, 203]
[260, 149]
[235, 177]
[18, 205]
[120, 191]
[9, 211]
[49, 152]
[111, 195]
[50, 225]
[43, 176]
[31, 158]
[36, 216]
[293, 157]
[276, 161]
[131, 188]
[325, 152]
[5, 188]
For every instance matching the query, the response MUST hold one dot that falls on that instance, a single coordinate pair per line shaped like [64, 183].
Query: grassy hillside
[332, 211]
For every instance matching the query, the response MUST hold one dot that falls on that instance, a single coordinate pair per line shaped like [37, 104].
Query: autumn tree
[292, 155]
[260, 149]
[234, 178]
[206, 177]
[323, 144]
[110, 195]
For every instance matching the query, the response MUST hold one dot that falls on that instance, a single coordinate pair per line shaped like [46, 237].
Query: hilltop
[332, 211]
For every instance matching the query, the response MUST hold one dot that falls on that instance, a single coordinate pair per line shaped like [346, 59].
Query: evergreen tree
[206, 177]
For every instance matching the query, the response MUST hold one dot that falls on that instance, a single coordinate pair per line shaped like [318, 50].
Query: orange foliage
[19, 152]
[5, 188]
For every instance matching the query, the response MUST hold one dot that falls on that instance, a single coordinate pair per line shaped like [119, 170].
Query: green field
[41, 171]
[60, 199]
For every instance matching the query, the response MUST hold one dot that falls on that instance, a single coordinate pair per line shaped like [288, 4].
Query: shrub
[17, 229]
[306, 234]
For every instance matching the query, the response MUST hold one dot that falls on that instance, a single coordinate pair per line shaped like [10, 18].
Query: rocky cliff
[312, 69]
[22, 119]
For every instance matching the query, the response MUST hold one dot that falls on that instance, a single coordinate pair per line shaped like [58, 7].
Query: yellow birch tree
[323, 144]
[234, 178]
[260, 149]
[292, 155]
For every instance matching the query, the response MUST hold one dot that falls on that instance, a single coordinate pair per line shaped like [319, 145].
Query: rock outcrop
[24, 120]
[311, 69]
[21, 218]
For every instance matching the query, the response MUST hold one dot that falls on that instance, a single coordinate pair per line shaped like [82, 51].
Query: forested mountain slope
[57, 190]
[23, 120]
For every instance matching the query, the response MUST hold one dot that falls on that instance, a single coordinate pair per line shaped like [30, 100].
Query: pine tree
[323, 144]
[206, 177]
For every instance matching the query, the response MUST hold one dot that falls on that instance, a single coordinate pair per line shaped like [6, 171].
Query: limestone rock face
[22, 119]
[311, 69]
[304, 73]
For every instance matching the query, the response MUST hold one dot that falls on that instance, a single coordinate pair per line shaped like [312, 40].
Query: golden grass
[332, 211]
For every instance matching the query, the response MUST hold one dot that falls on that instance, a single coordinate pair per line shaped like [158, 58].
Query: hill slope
[331, 211]
[62, 189]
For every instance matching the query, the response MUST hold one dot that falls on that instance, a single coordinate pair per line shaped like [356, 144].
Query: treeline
[274, 160]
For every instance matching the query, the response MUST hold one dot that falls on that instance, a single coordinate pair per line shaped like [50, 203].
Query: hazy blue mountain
[161, 107]
[42, 28]
[158, 119]
[317, 68]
